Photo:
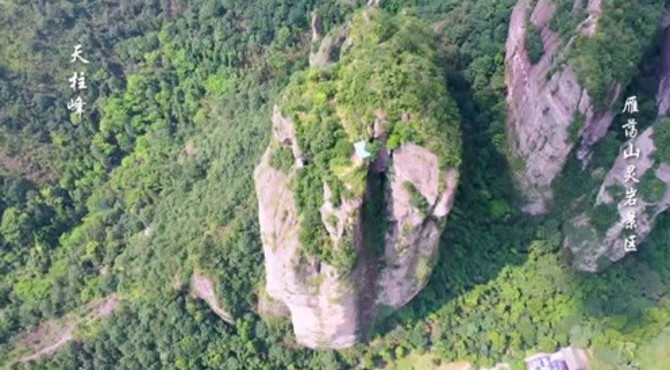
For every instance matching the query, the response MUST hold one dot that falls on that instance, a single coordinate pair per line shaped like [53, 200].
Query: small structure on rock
[361, 153]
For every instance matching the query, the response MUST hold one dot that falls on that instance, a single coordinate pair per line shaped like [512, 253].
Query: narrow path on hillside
[52, 335]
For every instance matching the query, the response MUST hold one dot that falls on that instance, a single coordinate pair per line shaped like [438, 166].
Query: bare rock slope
[549, 112]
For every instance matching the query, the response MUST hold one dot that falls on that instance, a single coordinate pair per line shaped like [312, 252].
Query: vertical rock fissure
[370, 248]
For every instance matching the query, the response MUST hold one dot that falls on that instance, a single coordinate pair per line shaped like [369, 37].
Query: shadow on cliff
[631, 295]
[484, 231]
[639, 279]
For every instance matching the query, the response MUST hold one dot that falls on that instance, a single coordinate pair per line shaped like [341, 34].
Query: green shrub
[604, 216]
[282, 159]
[614, 52]
[576, 125]
[534, 44]
[389, 72]
[417, 200]
[566, 18]
[651, 188]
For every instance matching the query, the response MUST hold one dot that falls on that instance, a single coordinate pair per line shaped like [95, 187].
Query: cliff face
[591, 247]
[412, 239]
[554, 51]
[322, 303]
[325, 303]
[330, 215]
[549, 113]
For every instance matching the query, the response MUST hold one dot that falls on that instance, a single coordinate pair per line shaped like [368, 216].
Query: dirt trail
[45, 341]
[52, 335]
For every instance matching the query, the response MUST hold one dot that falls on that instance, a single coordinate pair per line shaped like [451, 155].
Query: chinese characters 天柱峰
[77, 83]
[630, 179]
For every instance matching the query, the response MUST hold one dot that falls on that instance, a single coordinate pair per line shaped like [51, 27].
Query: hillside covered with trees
[117, 209]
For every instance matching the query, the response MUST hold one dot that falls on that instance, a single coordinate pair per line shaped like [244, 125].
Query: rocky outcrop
[663, 95]
[203, 287]
[412, 239]
[52, 335]
[594, 11]
[357, 181]
[546, 104]
[591, 247]
[325, 304]
[316, 24]
[322, 303]
[329, 49]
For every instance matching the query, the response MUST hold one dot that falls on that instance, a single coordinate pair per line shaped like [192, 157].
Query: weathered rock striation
[342, 233]
[549, 113]
[412, 239]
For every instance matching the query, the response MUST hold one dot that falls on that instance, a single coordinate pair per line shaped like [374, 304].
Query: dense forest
[154, 182]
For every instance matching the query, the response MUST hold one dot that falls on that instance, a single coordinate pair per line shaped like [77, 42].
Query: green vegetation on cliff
[623, 33]
[566, 17]
[387, 76]
[282, 159]
[167, 187]
[533, 40]
[652, 189]
[661, 139]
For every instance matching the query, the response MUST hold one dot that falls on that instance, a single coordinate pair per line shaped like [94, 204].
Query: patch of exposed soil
[27, 166]
[52, 335]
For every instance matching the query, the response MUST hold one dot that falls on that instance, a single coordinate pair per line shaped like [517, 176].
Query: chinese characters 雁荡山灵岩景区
[630, 176]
